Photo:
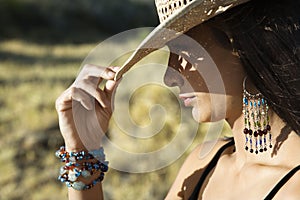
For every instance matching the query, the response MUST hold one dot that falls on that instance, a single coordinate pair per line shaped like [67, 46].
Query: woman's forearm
[94, 193]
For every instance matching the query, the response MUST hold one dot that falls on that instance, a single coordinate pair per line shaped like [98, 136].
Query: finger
[96, 93]
[114, 68]
[108, 74]
[92, 76]
[111, 86]
[89, 79]
[82, 97]
[64, 101]
[110, 90]
[102, 96]
[101, 73]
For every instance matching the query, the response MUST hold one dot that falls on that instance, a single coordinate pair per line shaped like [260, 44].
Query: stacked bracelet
[80, 155]
[73, 169]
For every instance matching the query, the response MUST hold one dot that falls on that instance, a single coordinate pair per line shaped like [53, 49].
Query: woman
[255, 46]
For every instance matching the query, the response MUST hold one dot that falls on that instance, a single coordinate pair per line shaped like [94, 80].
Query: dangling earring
[257, 128]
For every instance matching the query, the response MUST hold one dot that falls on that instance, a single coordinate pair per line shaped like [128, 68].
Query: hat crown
[165, 8]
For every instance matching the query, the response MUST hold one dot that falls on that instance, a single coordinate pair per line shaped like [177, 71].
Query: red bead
[255, 133]
[268, 127]
[246, 130]
[260, 132]
[250, 132]
[265, 131]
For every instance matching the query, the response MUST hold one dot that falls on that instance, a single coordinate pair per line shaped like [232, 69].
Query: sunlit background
[42, 46]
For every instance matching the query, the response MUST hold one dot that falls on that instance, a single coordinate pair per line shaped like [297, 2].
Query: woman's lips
[188, 99]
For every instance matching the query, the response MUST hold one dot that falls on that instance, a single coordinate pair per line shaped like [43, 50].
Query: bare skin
[80, 95]
[238, 174]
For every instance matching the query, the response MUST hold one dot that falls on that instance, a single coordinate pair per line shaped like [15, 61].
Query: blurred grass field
[32, 76]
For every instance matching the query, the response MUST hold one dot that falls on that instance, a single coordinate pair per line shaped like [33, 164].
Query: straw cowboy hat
[176, 17]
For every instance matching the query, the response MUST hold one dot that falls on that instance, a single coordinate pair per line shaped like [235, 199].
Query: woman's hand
[84, 110]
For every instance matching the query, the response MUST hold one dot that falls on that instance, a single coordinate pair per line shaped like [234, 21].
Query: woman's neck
[285, 142]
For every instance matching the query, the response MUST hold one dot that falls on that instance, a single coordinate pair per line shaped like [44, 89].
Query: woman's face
[209, 76]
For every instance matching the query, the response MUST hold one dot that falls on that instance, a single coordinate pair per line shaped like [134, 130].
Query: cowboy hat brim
[185, 18]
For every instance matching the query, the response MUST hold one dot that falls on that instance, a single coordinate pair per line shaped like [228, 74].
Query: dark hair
[266, 36]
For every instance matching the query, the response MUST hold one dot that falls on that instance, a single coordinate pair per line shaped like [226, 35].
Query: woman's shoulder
[203, 153]
[193, 167]
[289, 189]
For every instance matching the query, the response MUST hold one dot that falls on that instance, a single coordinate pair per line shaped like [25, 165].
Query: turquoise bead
[85, 173]
[78, 185]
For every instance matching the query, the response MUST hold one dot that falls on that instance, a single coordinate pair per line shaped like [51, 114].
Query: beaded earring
[257, 128]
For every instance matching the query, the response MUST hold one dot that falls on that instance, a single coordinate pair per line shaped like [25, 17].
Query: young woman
[255, 46]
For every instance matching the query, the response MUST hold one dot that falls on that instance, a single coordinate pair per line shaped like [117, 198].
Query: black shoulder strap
[279, 185]
[207, 170]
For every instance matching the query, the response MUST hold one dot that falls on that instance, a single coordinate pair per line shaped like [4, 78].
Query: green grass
[32, 76]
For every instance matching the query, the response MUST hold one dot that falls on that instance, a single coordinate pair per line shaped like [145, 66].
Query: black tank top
[211, 165]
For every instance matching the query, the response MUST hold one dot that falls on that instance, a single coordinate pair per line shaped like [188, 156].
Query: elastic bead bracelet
[79, 185]
[86, 170]
[98, 154]
[76, 156]
[72, 175]
[72, 170]
[103, 166]
[72, 156]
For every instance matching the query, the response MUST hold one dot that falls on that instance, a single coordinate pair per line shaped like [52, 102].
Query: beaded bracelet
[86, 169]
[76, 156]
[79, 185]
[103, 166]
[72, 170]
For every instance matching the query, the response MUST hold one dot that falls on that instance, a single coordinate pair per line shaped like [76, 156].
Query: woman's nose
[173, 78]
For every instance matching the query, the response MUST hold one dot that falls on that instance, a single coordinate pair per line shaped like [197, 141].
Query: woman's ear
[249, 85]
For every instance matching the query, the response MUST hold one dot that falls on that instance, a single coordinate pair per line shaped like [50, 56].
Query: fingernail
[111, 73]
[115, 68]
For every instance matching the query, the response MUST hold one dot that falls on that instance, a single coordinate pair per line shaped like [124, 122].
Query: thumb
[110, 87]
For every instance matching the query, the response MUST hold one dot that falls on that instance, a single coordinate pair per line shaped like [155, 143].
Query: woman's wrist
[74, 146]
[72, 141]
[82, 169]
